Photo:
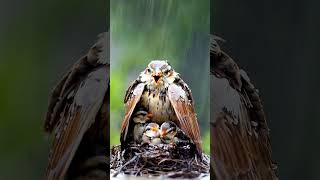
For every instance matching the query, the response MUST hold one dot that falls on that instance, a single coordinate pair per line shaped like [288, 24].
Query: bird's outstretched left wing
[181, 100]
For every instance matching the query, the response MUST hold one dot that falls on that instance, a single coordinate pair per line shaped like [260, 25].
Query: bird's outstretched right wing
[98, 55]
[132, 97]
[74, 106]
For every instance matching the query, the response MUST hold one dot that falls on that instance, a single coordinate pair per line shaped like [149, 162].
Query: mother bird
[160, 91]
[240, 145]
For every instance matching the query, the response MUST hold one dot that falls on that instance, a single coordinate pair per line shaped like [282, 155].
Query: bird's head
[158, 74]
[152, 130]
[168, 131]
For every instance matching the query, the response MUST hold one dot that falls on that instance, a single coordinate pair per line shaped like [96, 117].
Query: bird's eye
[166, 72]
[148, 70]
[171, 130]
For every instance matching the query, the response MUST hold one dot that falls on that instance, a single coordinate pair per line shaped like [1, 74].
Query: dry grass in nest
[159, 160]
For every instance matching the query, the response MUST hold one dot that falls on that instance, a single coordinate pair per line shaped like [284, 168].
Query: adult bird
[240, 145]
[161, 92]
[78, 117]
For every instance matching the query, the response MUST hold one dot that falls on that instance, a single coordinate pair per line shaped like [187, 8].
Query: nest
[159, 160]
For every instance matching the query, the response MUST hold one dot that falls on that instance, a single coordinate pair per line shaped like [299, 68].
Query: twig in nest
[163, 160]
[127, 163]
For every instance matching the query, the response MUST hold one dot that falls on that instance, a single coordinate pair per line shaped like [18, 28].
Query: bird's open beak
[156, 76]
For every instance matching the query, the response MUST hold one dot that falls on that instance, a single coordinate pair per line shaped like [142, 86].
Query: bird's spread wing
[73, 107]
[97, 55]
[132, 97]
[240, 143]
[75, 120]
[181, 100]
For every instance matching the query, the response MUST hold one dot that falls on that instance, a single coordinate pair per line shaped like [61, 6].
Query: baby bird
[140, 118]
[151, 134]
[170, 133]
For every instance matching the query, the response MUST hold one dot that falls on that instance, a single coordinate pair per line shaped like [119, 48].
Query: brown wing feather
[97, 55]
[76, 119]
[181, 101]
[132, 97]
[240, 143]
[74, 104]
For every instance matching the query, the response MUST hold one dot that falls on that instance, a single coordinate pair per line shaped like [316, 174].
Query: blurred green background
[39, 41]
[176, 30]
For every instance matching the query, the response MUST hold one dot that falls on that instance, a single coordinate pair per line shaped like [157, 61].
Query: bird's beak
[163, 133]
[156, 76]
[153, 132]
